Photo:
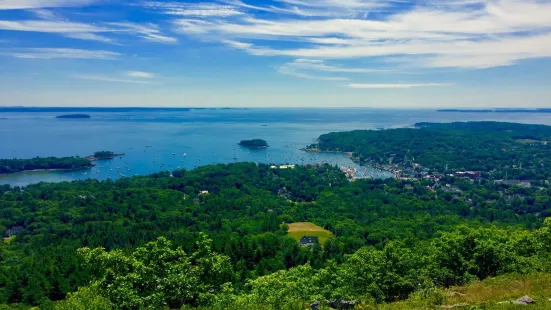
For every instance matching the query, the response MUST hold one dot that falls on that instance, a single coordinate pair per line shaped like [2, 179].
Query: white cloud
[318, 8]
[394, 86]
[470, 34]
[194, 9]
[149, 31]
[314, 69]
[352, 4]
[291, 71]
[140, 74]
[60, 53]
[46, 14]
[103, 78]
[89, 36]
[50, 26]
[35, 4]
[319, 65]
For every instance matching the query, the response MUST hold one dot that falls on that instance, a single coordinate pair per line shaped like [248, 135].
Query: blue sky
[288, 53]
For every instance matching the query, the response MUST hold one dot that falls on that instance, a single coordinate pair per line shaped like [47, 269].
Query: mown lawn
[299, 230]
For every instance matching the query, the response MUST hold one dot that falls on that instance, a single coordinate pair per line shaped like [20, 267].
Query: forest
[502, 150]
[43, 163]
[254, 143]
[216, 237]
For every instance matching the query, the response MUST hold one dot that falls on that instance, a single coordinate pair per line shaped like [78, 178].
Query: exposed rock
[335, 304]
[315, 305]
[461, 305]
[342, 304]
[524, 300]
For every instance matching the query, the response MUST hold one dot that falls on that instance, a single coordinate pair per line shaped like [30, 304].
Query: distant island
[254, 144]
[74, 116]
[43, 164]
[514, 110]
[106, 109]
[103, 155]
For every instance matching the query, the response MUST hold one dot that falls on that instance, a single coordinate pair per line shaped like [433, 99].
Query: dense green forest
[18, 165]
[216, 237]
[377, 221]
[503, 150]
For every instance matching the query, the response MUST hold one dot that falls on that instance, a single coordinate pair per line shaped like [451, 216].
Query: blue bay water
[149, 138]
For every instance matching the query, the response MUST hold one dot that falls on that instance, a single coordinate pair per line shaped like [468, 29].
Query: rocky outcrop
[335, 304]
[524, 300]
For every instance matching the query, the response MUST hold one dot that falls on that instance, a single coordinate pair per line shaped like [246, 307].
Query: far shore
[48, 170]
[317, 150]
[93, 158]
[254, 147]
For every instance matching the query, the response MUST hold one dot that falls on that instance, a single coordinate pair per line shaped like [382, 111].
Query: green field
[299, 230]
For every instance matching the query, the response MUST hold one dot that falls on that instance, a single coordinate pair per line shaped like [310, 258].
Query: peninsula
[491, 150]
[44, 164]
[254, 144]
[53, 163]
[74, 116]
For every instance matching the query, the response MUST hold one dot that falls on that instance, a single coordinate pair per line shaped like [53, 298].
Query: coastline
[317, 150]
[351, 156]
[254, 148]
[48, 170]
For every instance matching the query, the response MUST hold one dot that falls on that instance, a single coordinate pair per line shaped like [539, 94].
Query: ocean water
[150, 138]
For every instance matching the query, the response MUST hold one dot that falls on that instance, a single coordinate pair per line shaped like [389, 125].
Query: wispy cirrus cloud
[287, 70]
[395, 86]
[320, 65]
[140, 74]
[316, 69]
[61, 53]
[36, 4]
[148, 31]
[471, 34]
[108, 79]
[84, 31]
[194, 9]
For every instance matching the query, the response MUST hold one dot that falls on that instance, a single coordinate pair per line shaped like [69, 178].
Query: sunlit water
[149, 139]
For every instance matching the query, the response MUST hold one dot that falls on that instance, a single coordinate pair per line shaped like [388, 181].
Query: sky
[276, 53]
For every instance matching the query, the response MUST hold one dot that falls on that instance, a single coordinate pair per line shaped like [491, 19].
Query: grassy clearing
[483, 295]
[529, 141]
[299, 230]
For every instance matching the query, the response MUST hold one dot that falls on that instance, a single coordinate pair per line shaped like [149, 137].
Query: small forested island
[74, 116]
[43, 163]
[103, 155]
[254, 144]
